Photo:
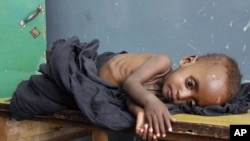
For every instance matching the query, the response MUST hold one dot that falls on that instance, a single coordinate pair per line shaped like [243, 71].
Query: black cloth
[69, 80]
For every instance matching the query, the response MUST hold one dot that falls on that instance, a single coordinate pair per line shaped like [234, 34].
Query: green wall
[20, 53]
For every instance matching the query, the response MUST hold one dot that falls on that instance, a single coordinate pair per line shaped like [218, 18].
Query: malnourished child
[211, 79]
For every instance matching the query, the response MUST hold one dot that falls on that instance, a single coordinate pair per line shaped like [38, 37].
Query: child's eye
[190, 83]
[191, 102]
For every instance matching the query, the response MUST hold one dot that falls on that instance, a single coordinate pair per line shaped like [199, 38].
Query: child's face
[196, 84]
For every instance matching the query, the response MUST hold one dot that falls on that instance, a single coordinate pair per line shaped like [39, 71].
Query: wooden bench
[68, 125]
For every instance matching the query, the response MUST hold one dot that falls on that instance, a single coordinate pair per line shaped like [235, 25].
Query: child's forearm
[137, 92]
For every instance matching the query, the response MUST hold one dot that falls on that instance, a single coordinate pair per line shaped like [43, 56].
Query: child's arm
[141, 127]
[156, 112]
[138, 112]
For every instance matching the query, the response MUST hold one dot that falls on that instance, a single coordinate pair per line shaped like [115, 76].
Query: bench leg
[99, 134]
[3, 134]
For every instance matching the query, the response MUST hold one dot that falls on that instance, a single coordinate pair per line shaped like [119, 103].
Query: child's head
[210, 79]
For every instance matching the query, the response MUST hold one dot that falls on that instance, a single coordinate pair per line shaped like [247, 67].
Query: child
[211, 79]
[69, 80]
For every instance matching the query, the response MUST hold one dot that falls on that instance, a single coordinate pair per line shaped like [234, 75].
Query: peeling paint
[227, 46]
[244, 48]
[246, 27]
[194, 48]
[200, 10]
[231, 23]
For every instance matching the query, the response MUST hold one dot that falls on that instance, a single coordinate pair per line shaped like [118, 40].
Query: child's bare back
[118, 68]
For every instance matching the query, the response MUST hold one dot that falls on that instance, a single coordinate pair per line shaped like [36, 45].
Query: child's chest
[154, 85]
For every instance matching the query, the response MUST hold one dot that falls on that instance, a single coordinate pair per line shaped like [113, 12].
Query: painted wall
[174, 27]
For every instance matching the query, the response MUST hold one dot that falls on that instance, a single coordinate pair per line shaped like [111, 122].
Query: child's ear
[188, 60]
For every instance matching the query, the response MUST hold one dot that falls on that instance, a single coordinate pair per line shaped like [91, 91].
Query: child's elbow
[163, 60]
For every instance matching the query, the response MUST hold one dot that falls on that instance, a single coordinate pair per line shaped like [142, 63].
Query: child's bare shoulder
[139, 56]
[119, 67]
[129, 60]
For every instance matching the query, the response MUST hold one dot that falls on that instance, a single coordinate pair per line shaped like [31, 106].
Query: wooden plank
[187, 125]
[99, 134]
[223, 120]
[41, 129]
[54, 129]
[187, 137]
[3, 134]
[198, 129]
[71, 136]
[193, 131]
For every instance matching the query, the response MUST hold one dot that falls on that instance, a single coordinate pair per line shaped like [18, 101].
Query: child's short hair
[233, 72]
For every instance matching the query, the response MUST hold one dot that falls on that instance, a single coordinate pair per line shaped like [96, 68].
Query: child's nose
[183, 94]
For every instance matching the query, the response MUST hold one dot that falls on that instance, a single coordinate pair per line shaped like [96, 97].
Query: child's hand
[142, 129]
[147, 133]
[140, 122]
[158, 117]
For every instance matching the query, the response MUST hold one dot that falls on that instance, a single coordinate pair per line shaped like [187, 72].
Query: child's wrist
[149, 98]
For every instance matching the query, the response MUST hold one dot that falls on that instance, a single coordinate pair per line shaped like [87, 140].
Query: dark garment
[69, 80]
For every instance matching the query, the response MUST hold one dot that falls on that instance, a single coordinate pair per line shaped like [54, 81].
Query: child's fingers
[162, 129]
[140, 124]
[139, 131]
[150, 133]
[155, 137]
[156, 123]
[145, 132]
[168, 123]
[149, 121]
[172, 119]
[139, 121]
